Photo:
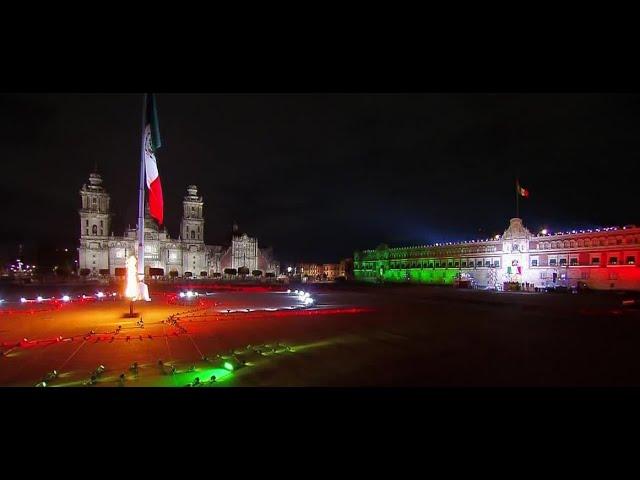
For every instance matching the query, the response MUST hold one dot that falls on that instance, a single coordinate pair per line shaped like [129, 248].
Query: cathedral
[103, 253]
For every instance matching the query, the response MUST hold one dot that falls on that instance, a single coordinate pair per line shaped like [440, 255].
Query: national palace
[603, 258]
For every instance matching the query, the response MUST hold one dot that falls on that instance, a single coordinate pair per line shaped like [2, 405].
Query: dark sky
[317, 176]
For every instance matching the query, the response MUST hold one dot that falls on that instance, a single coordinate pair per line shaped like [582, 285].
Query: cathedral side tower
[192, 225]
[95, 226]
[194, 253]
[95, 219]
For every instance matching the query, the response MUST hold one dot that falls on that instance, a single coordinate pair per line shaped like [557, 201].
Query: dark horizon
[319, 176]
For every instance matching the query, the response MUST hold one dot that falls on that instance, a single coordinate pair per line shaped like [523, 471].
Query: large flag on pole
[151, 145]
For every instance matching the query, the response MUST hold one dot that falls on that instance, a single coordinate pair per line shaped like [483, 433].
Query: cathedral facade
[602, 258]
[103, 253]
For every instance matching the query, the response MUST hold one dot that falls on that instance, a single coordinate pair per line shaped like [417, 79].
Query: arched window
[94, 230]
[193, 234]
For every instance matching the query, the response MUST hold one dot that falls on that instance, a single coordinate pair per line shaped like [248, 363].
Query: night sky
[318, 176]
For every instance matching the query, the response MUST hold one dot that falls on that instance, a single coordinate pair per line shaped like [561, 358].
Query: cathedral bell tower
[192, 225]
[95, 227]
[95, 219]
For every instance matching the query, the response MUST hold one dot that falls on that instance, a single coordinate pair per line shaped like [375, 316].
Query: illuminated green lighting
[228, 366]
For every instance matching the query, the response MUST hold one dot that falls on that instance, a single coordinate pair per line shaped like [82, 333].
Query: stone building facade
[604, 258]
[102, 253]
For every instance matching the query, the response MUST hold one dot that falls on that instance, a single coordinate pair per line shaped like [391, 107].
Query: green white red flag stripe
[523, 192]
[151, 144]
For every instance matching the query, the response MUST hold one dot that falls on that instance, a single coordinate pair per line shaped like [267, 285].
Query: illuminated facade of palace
[603, 258]
[103, 253]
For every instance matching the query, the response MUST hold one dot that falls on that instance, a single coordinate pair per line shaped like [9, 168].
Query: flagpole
[517, 198]
[141, 198]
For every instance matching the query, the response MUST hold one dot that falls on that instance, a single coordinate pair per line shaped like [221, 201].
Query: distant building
[345, 268]
[312, 271]
[330, 270]
[324, 271]
[103, 253]
[598, 258]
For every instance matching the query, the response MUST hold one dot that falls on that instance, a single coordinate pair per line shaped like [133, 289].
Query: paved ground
[354, 336]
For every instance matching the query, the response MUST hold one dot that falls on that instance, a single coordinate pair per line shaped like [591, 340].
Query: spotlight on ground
[232, 364]
[100, 295]
[23, 300]
[39, 299]
[181, 294]
[66, 298]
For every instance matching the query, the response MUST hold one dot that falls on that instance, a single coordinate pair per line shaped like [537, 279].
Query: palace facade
[103, 253]
[603, 258]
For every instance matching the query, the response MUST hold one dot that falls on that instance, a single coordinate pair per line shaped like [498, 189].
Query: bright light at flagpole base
[132, 281]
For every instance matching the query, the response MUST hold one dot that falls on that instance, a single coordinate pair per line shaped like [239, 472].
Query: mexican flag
[523, 192]
[151, 142]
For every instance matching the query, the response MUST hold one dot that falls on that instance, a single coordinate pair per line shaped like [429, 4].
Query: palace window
[631, 260]
[464, 264]
[496, 263]
[595, 261]
[534, 263]
[562, 262]
[471, 263]
[613, 260]
[193, 234]
[94, 230]
[450, 263]
[87, 222]
[573, 261]
[456, 264]
[552, 262]
[487, 263]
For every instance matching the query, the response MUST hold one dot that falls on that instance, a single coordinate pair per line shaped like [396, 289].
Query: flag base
[131, 313]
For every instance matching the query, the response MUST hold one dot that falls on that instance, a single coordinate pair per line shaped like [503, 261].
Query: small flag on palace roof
[523, 192]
